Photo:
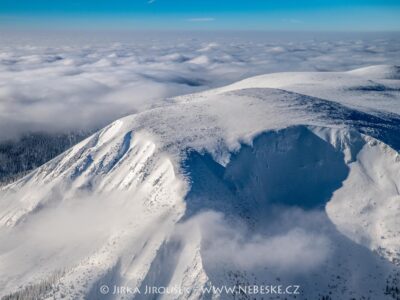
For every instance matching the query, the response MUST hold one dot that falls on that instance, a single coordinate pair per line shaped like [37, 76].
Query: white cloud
[290, 246]
[74, 82]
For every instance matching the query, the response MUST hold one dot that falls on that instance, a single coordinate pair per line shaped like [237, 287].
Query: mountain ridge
[174, 185]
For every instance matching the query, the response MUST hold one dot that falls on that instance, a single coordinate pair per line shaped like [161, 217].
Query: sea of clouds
[68, 81]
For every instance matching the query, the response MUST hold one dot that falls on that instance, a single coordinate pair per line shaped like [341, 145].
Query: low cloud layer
[60, 82]
[280, 244]
[63, 233]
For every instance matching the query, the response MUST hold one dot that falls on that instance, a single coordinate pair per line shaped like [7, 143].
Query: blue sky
[350, 15]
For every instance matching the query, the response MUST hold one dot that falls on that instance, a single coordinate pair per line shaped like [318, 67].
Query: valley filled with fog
[56, 83]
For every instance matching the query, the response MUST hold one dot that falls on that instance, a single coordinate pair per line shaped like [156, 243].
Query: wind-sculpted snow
[80, 81]
[245, 185]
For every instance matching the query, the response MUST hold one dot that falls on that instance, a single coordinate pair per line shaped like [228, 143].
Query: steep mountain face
[250, 184]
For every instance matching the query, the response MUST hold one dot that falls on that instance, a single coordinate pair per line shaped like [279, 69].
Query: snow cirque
[288, 178]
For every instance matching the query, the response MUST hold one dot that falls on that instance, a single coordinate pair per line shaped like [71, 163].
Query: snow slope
[371, 88]
[288, 178]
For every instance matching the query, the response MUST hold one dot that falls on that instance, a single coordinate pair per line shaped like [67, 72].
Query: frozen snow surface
[280, 179]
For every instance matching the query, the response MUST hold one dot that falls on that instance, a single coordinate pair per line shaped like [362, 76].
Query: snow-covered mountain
[282, 179]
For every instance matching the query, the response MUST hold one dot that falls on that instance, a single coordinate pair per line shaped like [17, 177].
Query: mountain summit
[281, 179]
